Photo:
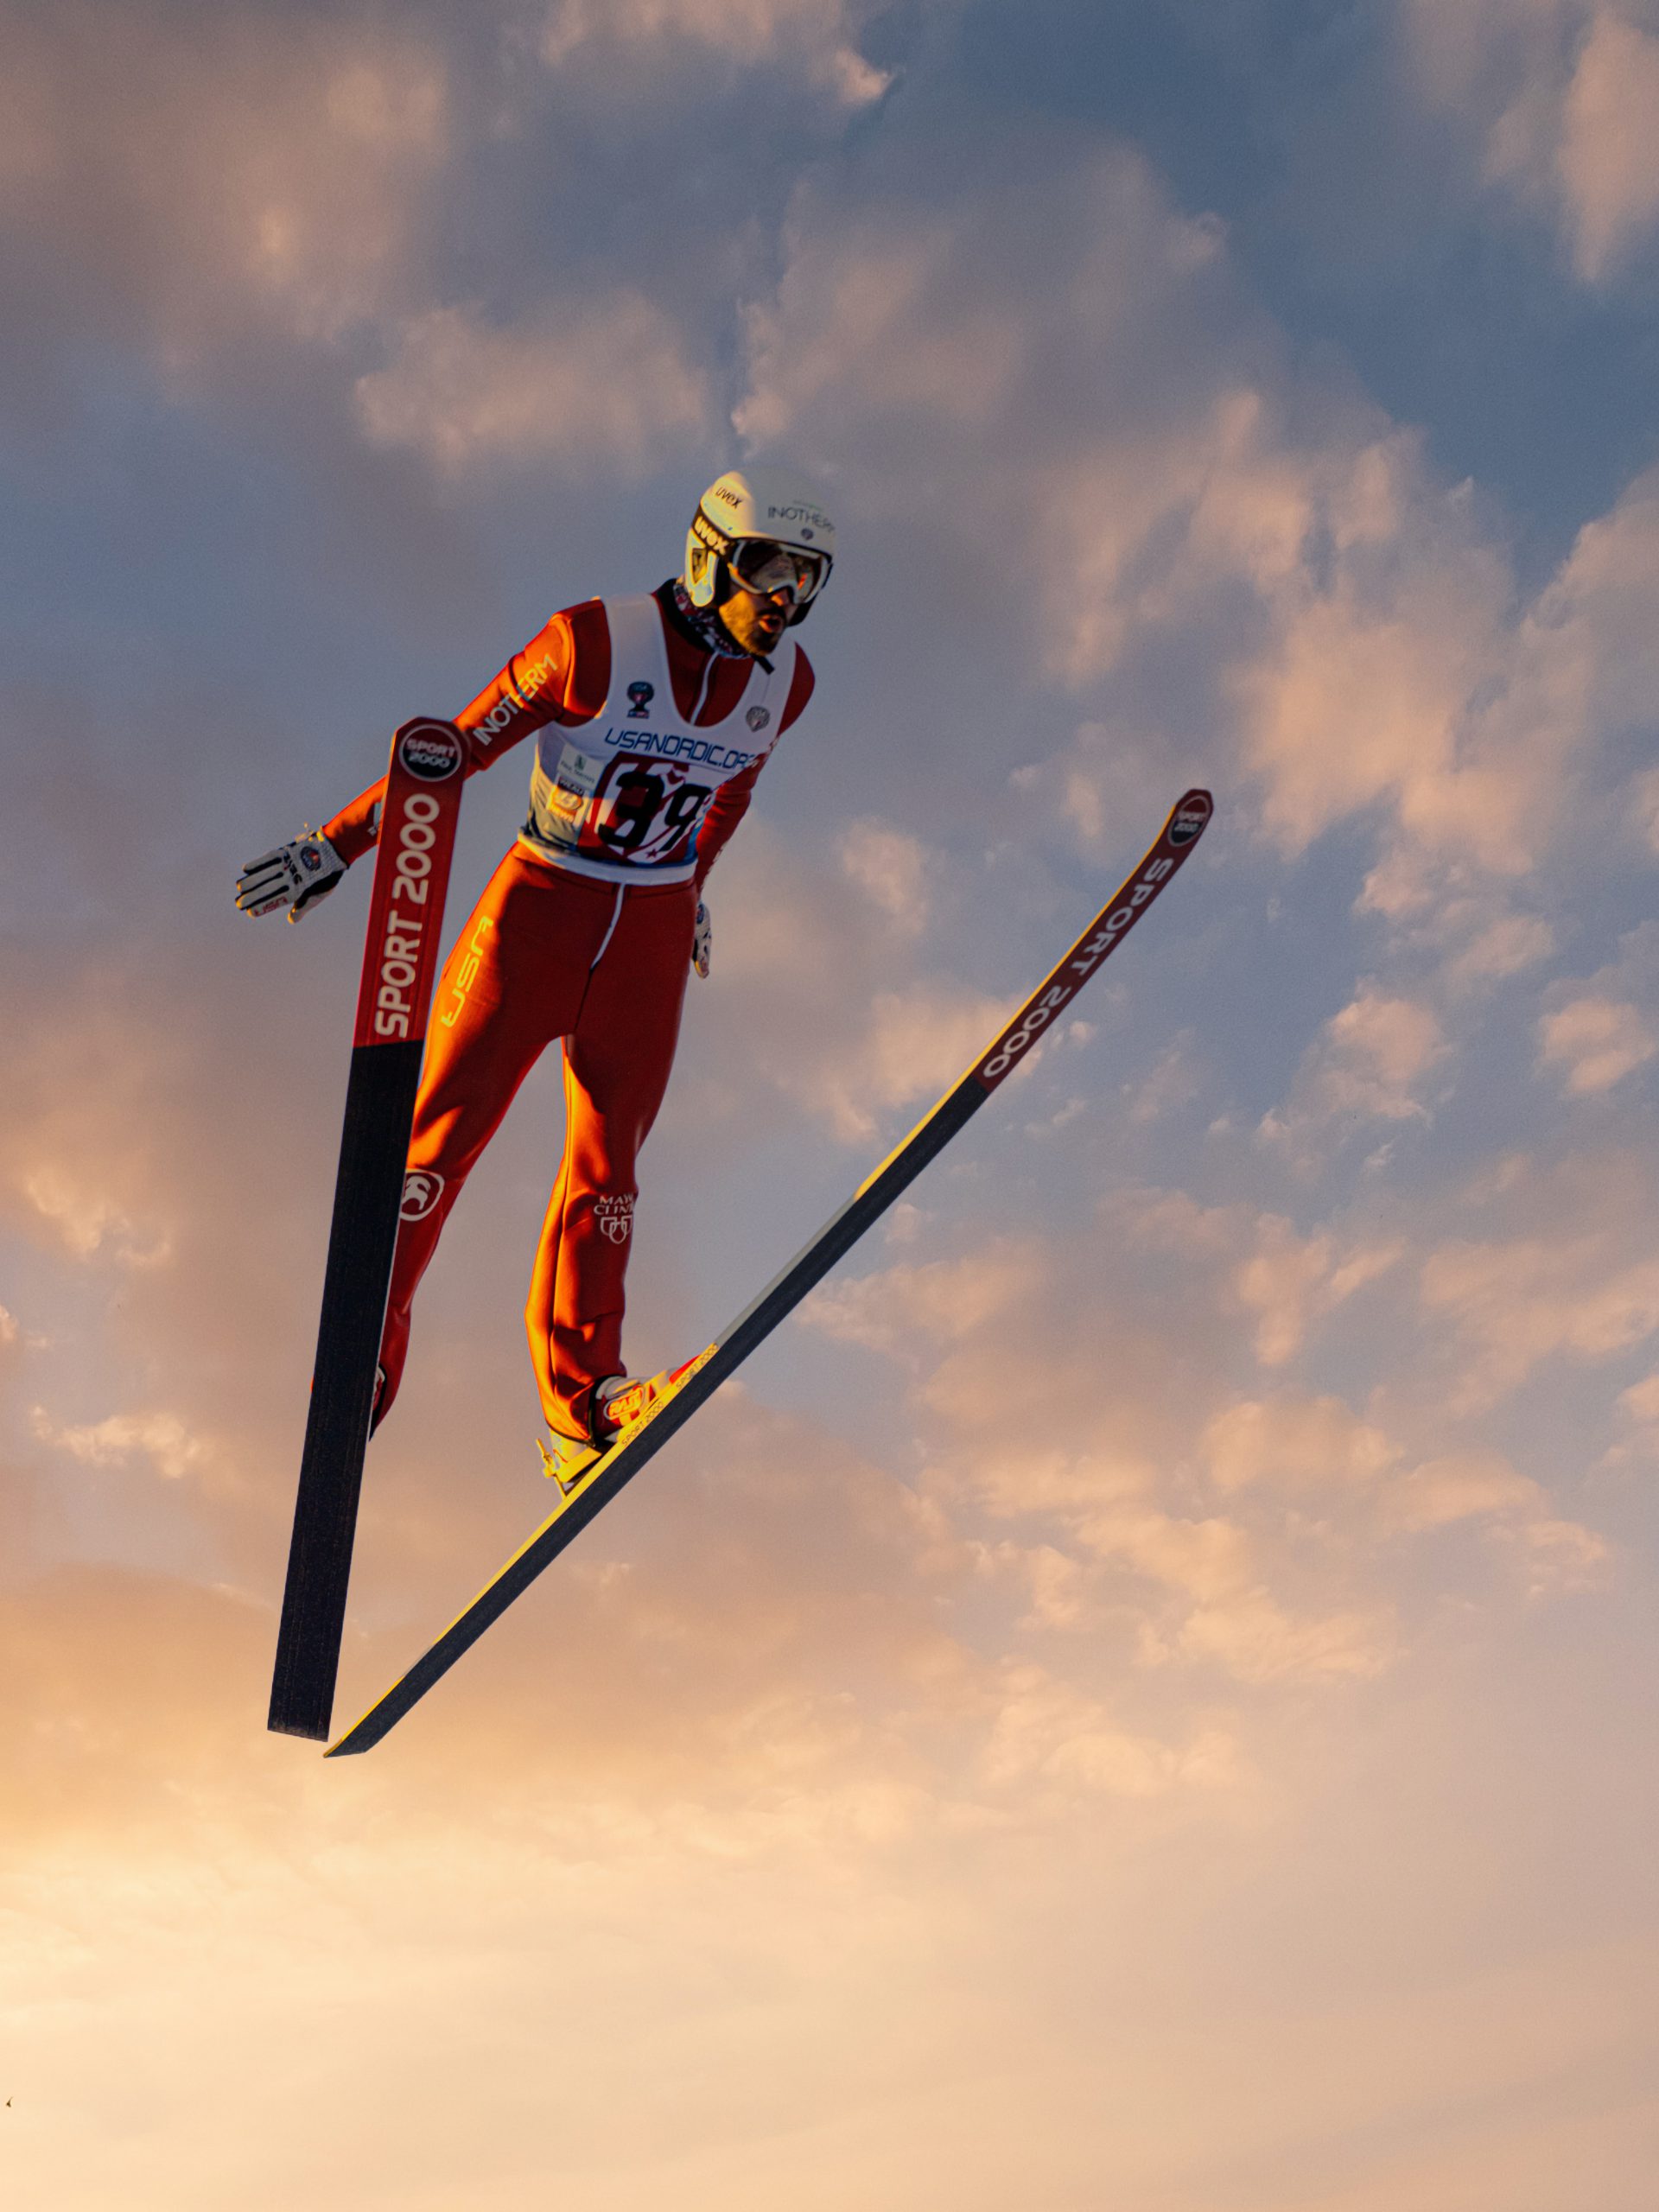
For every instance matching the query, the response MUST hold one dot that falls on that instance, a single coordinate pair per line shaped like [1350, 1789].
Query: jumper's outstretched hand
[702, 941]
[295, 875]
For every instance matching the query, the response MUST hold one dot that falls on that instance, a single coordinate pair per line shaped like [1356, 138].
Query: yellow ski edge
[567, 1499]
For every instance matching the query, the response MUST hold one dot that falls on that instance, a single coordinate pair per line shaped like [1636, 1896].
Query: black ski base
[1122, 913]
[368, 1192]
[724, 1357]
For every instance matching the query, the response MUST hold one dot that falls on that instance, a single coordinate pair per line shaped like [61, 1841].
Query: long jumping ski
[411, 874]
[703, 1375]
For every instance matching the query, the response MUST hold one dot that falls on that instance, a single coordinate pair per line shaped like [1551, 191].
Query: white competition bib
[623, 796]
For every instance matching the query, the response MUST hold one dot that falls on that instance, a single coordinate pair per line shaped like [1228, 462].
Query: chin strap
[706, 624]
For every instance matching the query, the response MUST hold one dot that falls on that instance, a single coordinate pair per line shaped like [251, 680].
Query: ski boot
[616, 1405]
[567, 1459]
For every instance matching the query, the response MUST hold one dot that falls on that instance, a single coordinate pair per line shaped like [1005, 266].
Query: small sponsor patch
[1188, 821]
[430, 754]
[614, 1214]
[641, 696]
[757, 718]
[423, 1188]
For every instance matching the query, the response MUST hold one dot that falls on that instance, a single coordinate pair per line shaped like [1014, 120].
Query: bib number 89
[643, 809]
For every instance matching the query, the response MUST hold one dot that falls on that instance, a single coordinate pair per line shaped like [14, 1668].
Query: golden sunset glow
[1137, 1696]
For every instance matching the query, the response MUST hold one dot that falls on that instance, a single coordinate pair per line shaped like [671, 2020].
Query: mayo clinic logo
[615, 1216]
[422, 1190]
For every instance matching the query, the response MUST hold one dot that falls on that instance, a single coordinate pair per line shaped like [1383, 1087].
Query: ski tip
[1189, 817]
[364, 1733]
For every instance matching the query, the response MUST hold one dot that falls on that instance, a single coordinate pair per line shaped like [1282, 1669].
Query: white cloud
[1298, 1448]
[1606, 156]
[941, 1301]
[1351, 628]
[1461, 1486]
[828, 1009]
[1599, 1029]
[917, 1042]
[1258, 1263]
[1360, 694]
[1504, 946]
[1570, 1274]
[1556, 1557]
[1644, 793]
[1596, 1042]
[1047, 1733]
[1290, 1281]
[1318, 1453]
[238, 169]
[818, 36]
[1642, 1399]
[891, 867]
[1172, 1081]
[1639, 1409]
[1562, 98]
[163, 1439]
[1368, 1064]
[89, 1219]
[1258, 1641]
[607, 384]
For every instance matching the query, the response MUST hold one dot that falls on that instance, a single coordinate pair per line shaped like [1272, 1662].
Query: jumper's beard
[706, 623]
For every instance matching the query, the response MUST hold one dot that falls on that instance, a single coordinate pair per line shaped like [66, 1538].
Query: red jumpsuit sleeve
[731, 802]
[563, 675]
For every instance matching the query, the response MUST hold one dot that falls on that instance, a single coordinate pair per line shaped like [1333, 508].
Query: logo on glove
[615, 1216]
[422, 1190]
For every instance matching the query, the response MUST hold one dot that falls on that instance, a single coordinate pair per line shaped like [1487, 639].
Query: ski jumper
[650, 737]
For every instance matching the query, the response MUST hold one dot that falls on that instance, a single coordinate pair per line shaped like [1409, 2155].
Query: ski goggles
[764, 566]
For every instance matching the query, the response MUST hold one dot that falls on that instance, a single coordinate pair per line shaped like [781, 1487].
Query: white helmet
[760, 508]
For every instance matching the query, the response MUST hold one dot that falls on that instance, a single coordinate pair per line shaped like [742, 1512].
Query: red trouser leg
[513, 982]
[617, 1060]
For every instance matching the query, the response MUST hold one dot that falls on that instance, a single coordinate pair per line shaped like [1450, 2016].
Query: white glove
[702, 941]
[295, 876]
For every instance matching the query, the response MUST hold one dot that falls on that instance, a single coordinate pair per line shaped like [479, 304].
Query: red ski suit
[583, 936]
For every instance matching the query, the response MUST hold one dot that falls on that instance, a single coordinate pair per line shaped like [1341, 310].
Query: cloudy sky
[1142, 1696]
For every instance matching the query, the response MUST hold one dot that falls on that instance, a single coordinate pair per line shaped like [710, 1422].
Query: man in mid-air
[653, 718]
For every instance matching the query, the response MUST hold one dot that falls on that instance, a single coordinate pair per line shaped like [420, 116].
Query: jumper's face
[755, 621]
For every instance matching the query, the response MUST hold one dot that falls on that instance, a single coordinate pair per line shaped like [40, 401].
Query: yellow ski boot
[618, 1406]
